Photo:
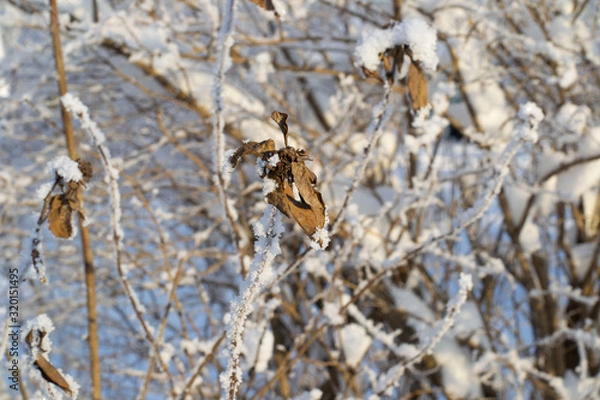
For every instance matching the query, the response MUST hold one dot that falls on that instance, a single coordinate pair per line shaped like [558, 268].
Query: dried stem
[88, 257]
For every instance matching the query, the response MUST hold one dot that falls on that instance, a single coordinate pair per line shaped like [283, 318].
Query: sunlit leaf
[417, 87]
[59, 217]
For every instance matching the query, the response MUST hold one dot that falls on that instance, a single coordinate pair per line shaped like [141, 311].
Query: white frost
[66, 168]
[267, 232]
[355, 343]
[314, 394]
[413, 32]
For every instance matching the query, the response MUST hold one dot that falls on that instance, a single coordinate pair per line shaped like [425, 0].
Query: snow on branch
[557, 289]
[222, 171]
[527, 131]
[65, 168]
[453, 307]
[81, 112]
[267, 231]
[412, 32]
[193, 379]
[531, 116]
[381, 113]
[225, 41]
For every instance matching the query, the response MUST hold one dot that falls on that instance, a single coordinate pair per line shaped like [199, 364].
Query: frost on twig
[37, 337]
[81, 112]
[453, 307]
[381, 113]
[531, 116]
[225, 41]
[267, 231]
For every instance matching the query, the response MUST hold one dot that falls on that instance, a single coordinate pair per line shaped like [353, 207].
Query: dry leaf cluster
[295, 194]
[50, 374]
[60, 207]
[264, 4]
[416, 82]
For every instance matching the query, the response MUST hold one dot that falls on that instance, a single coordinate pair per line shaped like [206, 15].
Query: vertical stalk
[95, 13]
[88, 259]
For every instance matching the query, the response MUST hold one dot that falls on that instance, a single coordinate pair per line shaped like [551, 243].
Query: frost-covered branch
[221, 178]
[392, 378]
[531, 116]
[225, 41]
[193, 379]
[382, 113]
[267, 231]
[81, 112]
[33, 254]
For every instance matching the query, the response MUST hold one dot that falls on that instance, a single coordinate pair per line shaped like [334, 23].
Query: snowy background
[464, 253]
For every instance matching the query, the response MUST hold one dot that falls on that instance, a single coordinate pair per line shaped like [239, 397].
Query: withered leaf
[35, 339]
[51, 374]
[75, 197]
[417, 87]
[295, 194]
[281, 119]
[59, 217]
[254, 148]
[392, 62]
[371, 74]
[309, 212]
[264, 4]
[86, 170]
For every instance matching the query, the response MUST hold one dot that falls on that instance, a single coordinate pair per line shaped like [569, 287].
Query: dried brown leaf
[295, 194]
[388, 67]
[417, 87]
[310, 211]
[264, 4]
[305, 204]
[51, 374]
[371, 74]
[59, 217]
[254, 148]
[35, 338]
[281, 119]
[86, 169]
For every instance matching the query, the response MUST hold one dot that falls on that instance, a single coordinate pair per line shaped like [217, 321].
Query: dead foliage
[62, 206]
[264, 4]
[417, 87]
[294, 194]
[59, 208]
[48, 371]
[416, 82]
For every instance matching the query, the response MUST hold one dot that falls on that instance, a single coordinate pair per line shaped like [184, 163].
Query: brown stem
[88, 259]
[95, 13]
